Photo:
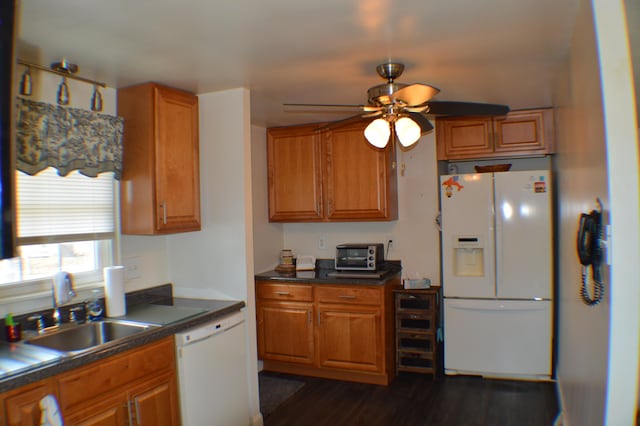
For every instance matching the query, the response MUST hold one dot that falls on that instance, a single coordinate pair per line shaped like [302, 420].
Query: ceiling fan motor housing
[381, 94]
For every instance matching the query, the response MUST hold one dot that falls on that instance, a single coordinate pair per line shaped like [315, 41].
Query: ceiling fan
[403, 108]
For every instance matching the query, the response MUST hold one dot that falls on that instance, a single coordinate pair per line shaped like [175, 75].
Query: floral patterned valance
[67, 139]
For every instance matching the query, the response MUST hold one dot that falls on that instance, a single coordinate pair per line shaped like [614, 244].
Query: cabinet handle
[282, 293]
[318, 317]
[129, 415]
[163, 205]
[309, 316]
[346, 296]
[138, 421]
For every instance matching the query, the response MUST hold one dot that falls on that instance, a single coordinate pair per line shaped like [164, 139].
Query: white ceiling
[322, 51]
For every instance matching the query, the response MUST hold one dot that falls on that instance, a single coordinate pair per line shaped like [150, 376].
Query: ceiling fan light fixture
[407, 130]
[378, 132]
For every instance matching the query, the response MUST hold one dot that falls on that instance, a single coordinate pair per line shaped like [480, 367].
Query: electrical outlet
[131, 267]
[322, 243]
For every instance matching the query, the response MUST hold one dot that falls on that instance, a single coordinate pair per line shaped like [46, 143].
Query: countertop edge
[70, 362]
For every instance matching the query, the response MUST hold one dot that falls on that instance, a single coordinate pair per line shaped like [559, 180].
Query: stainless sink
[73, 338]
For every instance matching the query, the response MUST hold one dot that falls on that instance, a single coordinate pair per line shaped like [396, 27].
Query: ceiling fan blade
[372, 114]
[415, 94]
[423, 122]
[341, 123]
[465, 108]
[339, 106]
[422, 108]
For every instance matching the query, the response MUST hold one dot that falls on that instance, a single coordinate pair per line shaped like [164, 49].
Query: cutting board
[161, 314]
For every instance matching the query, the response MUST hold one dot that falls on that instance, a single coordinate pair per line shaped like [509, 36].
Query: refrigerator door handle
[500, 308]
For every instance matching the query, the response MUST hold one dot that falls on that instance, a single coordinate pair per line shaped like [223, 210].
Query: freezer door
[510, 339]
[523, 235]
[468, 254]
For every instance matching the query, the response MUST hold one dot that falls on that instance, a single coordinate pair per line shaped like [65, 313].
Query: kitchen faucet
[62, 293]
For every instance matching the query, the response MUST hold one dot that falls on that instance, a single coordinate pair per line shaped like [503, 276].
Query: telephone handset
[590, 254]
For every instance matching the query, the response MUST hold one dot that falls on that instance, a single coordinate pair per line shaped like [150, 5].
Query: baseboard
[560, 419]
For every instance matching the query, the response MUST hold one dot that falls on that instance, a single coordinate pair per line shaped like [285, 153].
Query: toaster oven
[359, 257]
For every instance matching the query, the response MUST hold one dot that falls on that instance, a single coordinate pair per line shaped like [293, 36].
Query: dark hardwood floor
[415, 399]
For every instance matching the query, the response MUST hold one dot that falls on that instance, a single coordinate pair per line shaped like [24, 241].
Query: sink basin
[78, 338]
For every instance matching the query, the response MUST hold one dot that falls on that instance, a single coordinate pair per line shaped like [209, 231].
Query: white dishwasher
[212, 373]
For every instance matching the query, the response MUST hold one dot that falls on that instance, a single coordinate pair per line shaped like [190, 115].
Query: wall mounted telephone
[590, 254]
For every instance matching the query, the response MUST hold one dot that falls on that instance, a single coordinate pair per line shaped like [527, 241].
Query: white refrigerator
[497, 269]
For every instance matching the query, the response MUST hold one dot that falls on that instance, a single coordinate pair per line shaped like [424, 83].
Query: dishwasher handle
[209, 329]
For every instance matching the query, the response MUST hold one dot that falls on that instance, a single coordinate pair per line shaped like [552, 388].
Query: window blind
[51, 208]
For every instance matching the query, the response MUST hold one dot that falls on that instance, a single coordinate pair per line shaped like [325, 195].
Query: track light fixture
[67, 70]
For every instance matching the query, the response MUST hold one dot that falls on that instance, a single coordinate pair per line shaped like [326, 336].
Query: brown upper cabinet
[517, 134]
[322, 174]
[160, 191]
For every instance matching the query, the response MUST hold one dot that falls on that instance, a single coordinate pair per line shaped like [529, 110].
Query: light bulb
[408, 131]
[96, 100]
[377, 133]
[25, 83]
[63, 92]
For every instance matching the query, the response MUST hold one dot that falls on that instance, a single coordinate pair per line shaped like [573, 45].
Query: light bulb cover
[377, 133]
[408, 131]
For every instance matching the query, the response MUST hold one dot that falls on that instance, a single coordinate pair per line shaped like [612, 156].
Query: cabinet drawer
[415, 342]
[289, 292]
[351, 294]
[412, 360]
[410, 322]
[114, 373]
[422, 302]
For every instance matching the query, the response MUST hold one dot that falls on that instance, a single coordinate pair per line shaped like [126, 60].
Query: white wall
[217, 262]
[268, 238]
[415, 236]
[596, 348]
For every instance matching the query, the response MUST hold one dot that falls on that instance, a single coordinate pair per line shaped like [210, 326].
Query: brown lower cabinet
[342, 332]
[132, 388]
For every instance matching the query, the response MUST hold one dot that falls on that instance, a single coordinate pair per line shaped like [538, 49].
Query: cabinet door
[361, 181]
[106, 411]
[22, 406]
[350, 337]
[464, 137]
[177, 171]
[525, 132]
[285, 331]
[154, 402]
[294, 174]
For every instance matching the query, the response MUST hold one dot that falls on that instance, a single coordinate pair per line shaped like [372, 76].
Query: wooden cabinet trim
[284, 292]
[113, 373]
[295, 174]
[22, 406]
[334, 186]
[349, 295]
[365, 308]
[160, 176]
[518, 134]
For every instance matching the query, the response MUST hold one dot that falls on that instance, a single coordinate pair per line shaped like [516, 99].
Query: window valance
[67, 139]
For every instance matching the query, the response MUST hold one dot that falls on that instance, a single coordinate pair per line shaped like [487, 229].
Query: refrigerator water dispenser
[468, 256]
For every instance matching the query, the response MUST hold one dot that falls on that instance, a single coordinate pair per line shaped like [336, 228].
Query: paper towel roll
[114, 291]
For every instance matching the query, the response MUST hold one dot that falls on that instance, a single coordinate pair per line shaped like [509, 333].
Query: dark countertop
[323, 274]
[212, 309]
